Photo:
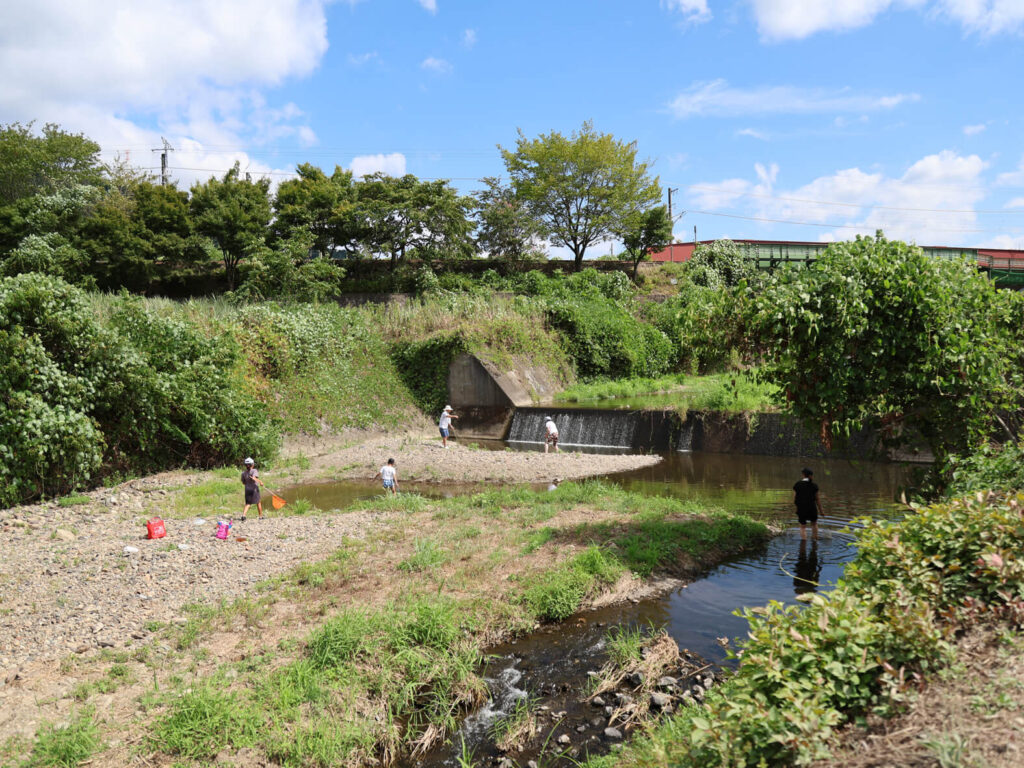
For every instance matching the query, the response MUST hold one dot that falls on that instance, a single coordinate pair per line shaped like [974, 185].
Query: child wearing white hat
[445, 424]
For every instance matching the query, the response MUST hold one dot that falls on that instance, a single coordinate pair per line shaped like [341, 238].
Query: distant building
[1004, 265]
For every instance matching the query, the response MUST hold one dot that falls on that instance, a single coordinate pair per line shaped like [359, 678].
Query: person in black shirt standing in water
[808, 505]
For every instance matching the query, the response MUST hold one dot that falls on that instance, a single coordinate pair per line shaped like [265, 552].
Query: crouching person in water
[389, 475]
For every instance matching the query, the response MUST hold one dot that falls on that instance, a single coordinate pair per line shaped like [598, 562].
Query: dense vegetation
[861, 648]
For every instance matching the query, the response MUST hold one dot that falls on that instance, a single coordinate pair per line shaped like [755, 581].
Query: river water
[550, 666]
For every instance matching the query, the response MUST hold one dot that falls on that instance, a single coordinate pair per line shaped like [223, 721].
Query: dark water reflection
[761, 486]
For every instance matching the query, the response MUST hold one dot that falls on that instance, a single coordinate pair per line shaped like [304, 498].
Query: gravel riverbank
[77, 578]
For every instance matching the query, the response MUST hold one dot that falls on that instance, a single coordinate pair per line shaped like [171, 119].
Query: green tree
[645, 231]
[235, 214]
[581, 187]
[325, 206]
[45, 165]
[876, 333]
[405, 215]
[505, 227]
[32, 164]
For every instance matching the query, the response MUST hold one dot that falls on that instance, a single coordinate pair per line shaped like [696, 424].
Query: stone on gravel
[613, 734]
[660, 700]
[564, 739]
[667, 682]
[597, 701]
[130, 550]
[64, 535]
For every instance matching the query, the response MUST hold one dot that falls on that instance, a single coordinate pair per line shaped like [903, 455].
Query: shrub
[139, 394]
[991, 467]
[604, 339]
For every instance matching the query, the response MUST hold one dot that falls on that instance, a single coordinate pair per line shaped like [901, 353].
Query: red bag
[155, 529]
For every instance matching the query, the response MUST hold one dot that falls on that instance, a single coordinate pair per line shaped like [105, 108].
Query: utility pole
[670, 191]
[165, 178]
[695, 234]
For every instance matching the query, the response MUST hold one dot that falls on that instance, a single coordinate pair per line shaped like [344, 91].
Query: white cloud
[752, 133]
[1017, 202]
[430, 5]
[943, 189]
[973, 130]
[440, 66]
[796, 19]
[1013, 178]
[693, 11]
[154, 53]
[986, 17]
[469, 38]
[362, 59]
[392, 164]
[194, 70]
[1009, 242]
[718, 99]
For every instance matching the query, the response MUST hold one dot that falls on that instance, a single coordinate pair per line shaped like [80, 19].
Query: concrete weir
[498, 405]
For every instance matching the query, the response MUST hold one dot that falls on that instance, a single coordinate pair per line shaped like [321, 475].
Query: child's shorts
[389, 484]
[443, 431]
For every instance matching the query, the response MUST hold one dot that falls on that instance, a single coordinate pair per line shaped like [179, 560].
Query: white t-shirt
[445, 421]
[387, 472]
[550, 426]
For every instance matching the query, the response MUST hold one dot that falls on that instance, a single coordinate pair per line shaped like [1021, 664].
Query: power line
[830, 226]
[294, 174]
[854, 205]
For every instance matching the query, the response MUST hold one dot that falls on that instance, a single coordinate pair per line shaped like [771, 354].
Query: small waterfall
[592, 428]
[684, 435]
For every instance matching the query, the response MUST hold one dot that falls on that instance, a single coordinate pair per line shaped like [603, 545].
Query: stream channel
[550, 666]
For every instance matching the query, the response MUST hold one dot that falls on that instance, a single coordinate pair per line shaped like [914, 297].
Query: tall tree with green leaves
[235, 214]
[44, 178]
[645, 231]
[506, 229]
[876, 333]
[327, 207]
[582, 187]
[405, 215]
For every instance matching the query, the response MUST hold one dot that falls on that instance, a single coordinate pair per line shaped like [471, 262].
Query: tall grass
[608, 390]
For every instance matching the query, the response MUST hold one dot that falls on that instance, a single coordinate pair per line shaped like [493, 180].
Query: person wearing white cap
[445, 424]
[551, 434]
[251, 481]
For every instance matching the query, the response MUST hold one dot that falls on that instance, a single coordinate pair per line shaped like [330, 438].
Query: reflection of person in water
[808, 568]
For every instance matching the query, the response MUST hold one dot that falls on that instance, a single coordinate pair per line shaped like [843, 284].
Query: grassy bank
[863, 649]
[373, 652]
[732, 392]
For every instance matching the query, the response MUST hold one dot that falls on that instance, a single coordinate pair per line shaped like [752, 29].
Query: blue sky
[782, 119]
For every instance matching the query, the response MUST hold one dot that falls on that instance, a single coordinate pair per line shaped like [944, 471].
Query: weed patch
[65, 746]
